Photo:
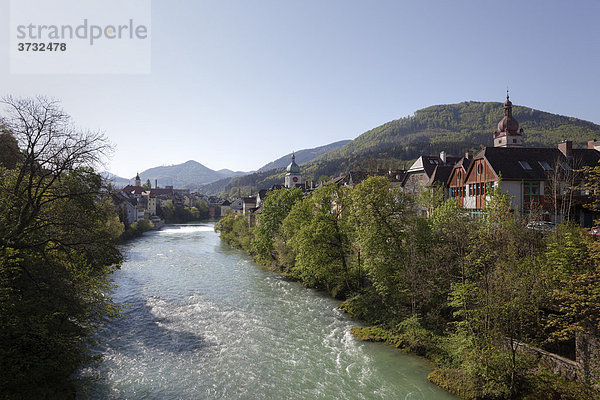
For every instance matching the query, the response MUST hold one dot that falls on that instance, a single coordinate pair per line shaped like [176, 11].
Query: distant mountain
[273, 171]
[303, 156]
[189, 173]
[115, 180]
[454, 128]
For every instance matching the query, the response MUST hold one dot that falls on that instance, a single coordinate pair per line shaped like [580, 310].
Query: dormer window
[566, 166]
[525, 165]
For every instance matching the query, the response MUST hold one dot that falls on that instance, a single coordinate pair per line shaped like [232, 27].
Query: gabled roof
[585, 157]
[527, 163]
[236, 204]
[162, 191]
[130, 189]
[441, 174]
[428, 164]
[464, 163]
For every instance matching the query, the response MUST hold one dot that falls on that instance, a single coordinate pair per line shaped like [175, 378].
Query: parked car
[542, 226]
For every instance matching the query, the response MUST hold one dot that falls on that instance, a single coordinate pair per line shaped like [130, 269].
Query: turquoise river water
[202, 321]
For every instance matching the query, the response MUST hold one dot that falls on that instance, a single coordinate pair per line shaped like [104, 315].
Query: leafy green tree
[322, 245]
[283, 242]
[234, 231]
[381, 215]
[276, 207]
[498, 299]
[573, 268]
[430, 198]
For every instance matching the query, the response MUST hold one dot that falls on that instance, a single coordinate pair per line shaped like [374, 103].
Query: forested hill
[464, 126]
[454, 128]
[303, 156]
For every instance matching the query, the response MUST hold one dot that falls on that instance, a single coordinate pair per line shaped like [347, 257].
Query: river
[202, 321]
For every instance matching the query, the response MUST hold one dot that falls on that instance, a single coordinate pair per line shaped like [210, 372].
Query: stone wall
[562, 366]
[586, 367]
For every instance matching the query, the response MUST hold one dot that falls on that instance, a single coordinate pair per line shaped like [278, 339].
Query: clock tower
[292, 177]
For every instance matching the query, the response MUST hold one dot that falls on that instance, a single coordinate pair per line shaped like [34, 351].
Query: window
[531, 194]
[479, 169]
[566, 166]
[433, 161]
[525, 165]
[545, 165]
[514, 140]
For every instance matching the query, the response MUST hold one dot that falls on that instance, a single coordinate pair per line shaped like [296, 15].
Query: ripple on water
[203, 322]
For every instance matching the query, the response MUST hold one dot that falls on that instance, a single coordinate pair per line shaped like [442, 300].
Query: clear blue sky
[235, 84]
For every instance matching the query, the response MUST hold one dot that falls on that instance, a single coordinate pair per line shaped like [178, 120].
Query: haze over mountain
[303, 156]
[178, 175]
[188, 173]
[191, 173]
[454, 128]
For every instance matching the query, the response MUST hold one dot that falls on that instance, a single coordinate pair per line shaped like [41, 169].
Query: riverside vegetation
[457, 290]
[58, 234]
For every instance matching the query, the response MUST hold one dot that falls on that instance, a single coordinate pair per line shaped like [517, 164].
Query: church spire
[292, 177]
[508, 134]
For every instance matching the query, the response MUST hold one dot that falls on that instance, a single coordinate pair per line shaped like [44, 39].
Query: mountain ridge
[303, 156]
[453, 128]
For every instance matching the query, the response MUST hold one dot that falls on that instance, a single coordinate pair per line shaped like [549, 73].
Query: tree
[430, 197]
[591, 184]
[9, 150]
[51, 148]
[57, 248]
[381, 216]
[276, 207]
[561, 185]
[498, 298]
[572, 262]
[322, 244]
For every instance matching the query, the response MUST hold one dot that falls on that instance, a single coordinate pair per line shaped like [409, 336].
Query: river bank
[204, 321]
[450, 287]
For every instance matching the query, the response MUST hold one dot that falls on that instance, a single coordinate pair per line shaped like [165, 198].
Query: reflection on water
[204, 322]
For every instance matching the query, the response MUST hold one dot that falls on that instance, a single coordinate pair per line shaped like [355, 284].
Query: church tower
[292, 177]
[508, 134]
[138, 181]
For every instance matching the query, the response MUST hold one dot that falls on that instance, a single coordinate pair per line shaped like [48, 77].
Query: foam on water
[204, 322]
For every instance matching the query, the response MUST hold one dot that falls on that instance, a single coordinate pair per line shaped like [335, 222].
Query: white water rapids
[203, 321]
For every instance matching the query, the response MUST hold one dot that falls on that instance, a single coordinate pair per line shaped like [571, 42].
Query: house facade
[421, 172]
[538, 180]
